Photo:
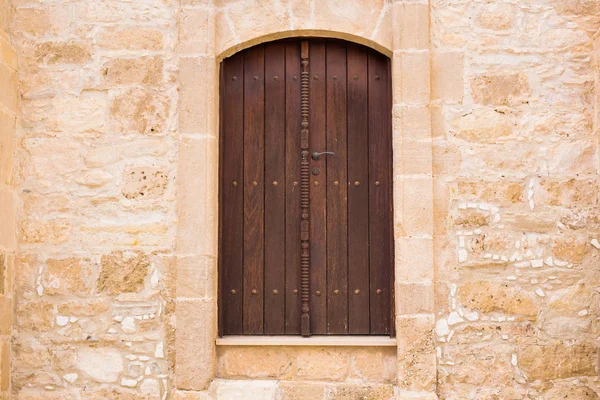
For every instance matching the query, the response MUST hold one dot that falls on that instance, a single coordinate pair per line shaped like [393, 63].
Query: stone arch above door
[209, 32]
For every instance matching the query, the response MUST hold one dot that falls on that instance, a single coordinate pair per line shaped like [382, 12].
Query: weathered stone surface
[497, 297]
[558, 361]
[367, 392]
[292, 390]
[123, 272]
[254, 363]
[66, 276]
[484, 125]
[54, 231]
[101, 364]
[35, 316]
[131, 39]
[139, 110]
[500, 90]
[88, 308]
[570, 392]
[322, 364]
[144, 182]
[62, 53]
[124, 71]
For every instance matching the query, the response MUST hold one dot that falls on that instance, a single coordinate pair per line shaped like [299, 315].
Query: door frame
[195, 308]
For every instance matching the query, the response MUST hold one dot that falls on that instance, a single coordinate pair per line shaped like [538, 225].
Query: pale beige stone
[414, 298]
[415, 78]
[322, 364]
[35, 316]
[8, 88]
[67, 276]
[374, 364]
[501, 89]
[130, 39]
[497, 297]
[292, 390]
[144, 182]
[54, 231]
[497, 16]
[197, 100]
[196, 276]
[269, 362]
[447, 83]
[570, 392]
[123, 272]
[411, 22]
[414, 260]
[484, 125]
[126, 71]
[71, 52]
[197, 30]
[557, 361]
[8, 238]
[350, 391]
[139, 110]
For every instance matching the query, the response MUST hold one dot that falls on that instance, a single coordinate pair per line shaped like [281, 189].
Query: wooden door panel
[358, 191]
[337, 191]
[293, 303]
[318, 191]
[274, 188]
[350, 209]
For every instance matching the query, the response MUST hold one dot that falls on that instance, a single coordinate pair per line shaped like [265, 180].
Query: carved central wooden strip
[305, 193]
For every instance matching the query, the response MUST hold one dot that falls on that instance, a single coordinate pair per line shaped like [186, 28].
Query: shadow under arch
[309, 33]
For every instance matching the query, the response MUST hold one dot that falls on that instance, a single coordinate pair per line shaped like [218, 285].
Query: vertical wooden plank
[337, 187]
[318, 191]
[275, 188]
[254, 128]
[232, 193]
[379, 193]
[358, 191]
[293, 304]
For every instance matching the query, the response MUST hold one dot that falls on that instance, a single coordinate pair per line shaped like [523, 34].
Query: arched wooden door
[306, 242]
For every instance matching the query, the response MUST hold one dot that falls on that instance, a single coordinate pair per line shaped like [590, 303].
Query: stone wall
[8, 239]
[495, 199]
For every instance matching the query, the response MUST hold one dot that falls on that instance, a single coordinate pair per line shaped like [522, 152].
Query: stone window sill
[360, 341]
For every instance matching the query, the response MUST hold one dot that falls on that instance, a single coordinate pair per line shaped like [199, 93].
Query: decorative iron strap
[305, 194]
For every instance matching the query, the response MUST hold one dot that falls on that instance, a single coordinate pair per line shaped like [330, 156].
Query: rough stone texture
[108, 185]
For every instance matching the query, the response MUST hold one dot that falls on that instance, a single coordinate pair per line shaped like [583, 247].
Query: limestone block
[447, 159]
[197, 192]
[414, 260]
[356, 391]
[187, 395]
[103, 364]
[139, 110]
[145, 182]
[417, 201]
[197, 30]
[497, 297]
[414, 122]
[123, 272]
[197, 98]
[414, 298]
[500, 89]
[54, 231]
[292, 390]
[8, 54]
[416, 353]
[71, 52]
[571, 249]
[36, 316]
[322, 364]
[83, 308]
[471, 218]
[496, 16]
[8, 238]
[246, 390]
[9, 82]
[358, 18]
[499, 192]
[374, 364]
[124, 71]
[268, 362]
[51, 20]
[30, 352]
[196, 276]
[415, 78]
[134, 38]
[416, 159]
[578, 193]
[483, 125]
[68, 276]
[557, 361]
[411, 26]
[195, 354]
[570, 392]
[36, 394]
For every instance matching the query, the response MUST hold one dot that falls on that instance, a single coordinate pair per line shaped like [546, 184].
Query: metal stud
[336, 183]
[377, 77]
[275, 78]
[335, 77]
[357, 292]
[295, 183]
[318, 292]
[233, 291]
[275, 291]
[295, 291]
[316, 183]
[275, 183]
[234, 78]
[234, 183]
[254, 291]
[378, 291]
[295, 77]
[355, 77]
[255, 184]
[357, 183]
[316, 77]
[255, 77]
[336, 292]
[377, 183]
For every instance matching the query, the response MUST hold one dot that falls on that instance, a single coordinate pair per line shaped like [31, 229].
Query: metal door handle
[316, 156]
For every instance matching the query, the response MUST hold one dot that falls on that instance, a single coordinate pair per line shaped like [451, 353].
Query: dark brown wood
[305, 193]
[318, 191]
[380, 210]
[306, 245]
[254, 130]
[337, 189]
[274, 313]
[232, 187]
[358, 191]
[293, 122]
